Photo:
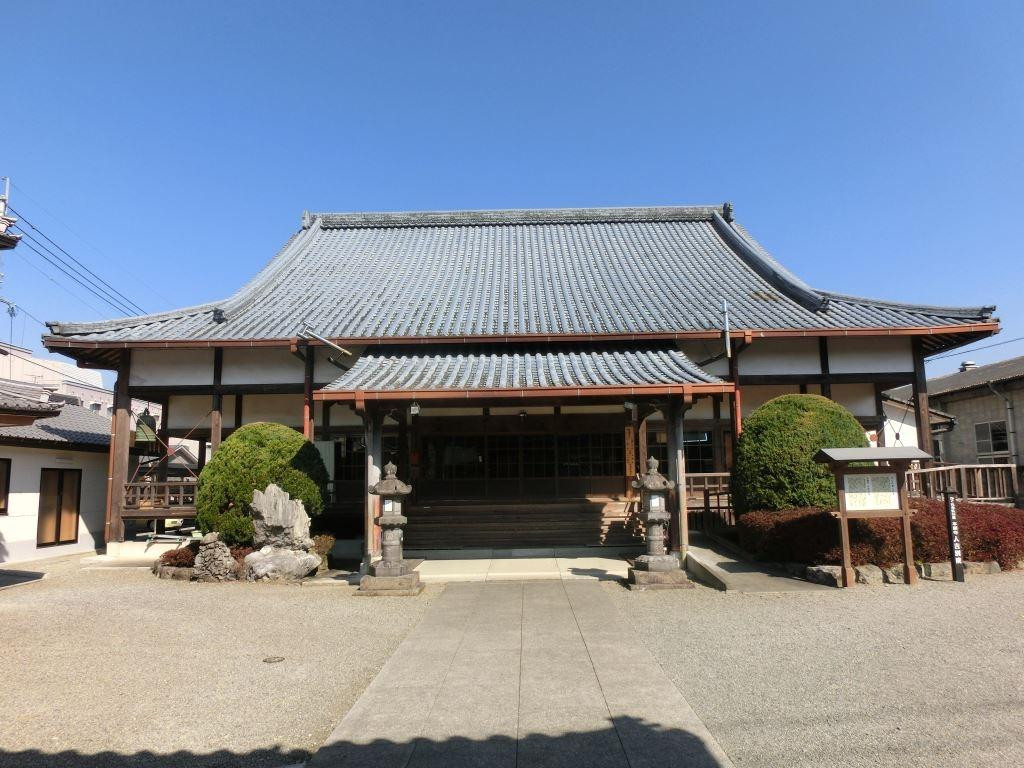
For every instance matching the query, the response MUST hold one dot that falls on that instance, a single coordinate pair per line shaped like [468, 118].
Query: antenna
[725, 328]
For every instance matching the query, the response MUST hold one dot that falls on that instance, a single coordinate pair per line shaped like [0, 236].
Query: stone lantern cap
[653, 480]
[390, 485]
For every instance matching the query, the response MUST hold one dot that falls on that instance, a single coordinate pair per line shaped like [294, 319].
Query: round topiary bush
[774, 467]
[253, 457]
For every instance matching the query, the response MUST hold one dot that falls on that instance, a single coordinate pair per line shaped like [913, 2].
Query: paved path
[536, 673]
[718, 567]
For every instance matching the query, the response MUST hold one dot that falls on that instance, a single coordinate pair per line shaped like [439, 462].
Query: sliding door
[59, 497]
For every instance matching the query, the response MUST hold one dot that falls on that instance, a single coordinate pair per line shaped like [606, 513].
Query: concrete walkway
[519, 564]
[714, 565]
[534, 673]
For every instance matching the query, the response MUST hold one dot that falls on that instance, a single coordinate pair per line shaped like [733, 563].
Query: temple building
[515, 365]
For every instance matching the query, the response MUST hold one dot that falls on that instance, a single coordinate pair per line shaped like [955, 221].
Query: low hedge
[987, 532]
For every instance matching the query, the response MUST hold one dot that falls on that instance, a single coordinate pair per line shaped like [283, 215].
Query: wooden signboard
[875, 488]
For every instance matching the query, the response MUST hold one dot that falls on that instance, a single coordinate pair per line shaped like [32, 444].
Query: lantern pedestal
[657, 569]
[391, 575]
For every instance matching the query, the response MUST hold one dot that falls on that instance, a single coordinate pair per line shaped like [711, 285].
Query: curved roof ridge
[982, 311]
[767, 267]
[238, 300]
[512, 216]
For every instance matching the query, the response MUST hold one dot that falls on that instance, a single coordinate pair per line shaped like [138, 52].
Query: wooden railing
[160, 498]
[996, 483]
[709, 501]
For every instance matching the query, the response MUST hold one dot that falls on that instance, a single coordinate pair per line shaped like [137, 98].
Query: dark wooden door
[60, 493]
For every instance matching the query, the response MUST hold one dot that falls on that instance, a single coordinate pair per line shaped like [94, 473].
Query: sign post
[867, 488]
[956, 555]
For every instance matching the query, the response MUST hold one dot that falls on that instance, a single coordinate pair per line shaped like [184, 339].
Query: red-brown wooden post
[120, 442]
[308, 428]
[921, 410]
[216, 413]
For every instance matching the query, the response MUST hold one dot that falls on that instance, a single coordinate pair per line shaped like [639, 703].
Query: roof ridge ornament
[727, 212]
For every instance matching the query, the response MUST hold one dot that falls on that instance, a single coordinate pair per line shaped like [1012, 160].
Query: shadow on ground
[600, 748]
[11, 578]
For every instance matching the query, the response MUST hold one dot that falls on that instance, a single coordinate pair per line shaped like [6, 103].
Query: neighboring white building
[53, 485]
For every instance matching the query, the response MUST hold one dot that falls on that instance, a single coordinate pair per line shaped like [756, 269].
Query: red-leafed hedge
[183, 557]
[987, 532]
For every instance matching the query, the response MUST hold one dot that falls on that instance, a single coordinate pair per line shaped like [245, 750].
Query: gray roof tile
[74, 425]
[518, 273]
[979, 376]
[467, 368]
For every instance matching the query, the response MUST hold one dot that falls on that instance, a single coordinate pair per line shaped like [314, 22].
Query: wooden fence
[995, 483]
[708, 501]
[155, 500]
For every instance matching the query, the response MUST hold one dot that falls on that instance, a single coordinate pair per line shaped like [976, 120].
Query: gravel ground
[873, 676]
[116, 668]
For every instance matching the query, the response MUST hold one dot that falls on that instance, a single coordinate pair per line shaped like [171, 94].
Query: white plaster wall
[325, 371]
[344, 416]
[193, 411]
[699, 351]
[899, 421]
[429, 412]
[261, 365]
[859, 399]
[870, 354]
[512, 410]
[281, 409]
[159, 367]
[754, 395]
[780, 356]
[18, 527]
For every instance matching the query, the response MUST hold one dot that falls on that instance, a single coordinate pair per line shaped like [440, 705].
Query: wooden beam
[373, 423]
[308, 429]
[921, 410]
[826, 375]
[120, 443]
[216, 414]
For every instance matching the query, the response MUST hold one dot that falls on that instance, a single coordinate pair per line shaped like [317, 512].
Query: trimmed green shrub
[774, 467]
[254, 456]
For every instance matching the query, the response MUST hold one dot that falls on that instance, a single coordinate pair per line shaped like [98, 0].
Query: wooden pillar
[163, 436]
[736, 406]
[826, 373]
[373, 422]
[216, 413]
[403, 442]
[201, 458]
[120, 442]
[307, 391]
[238, 410]
[921, 409]
[680, 539]
[717, 438]
[643, 451]
[629, 437]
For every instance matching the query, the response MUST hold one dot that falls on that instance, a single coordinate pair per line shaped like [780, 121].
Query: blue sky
[874, 148]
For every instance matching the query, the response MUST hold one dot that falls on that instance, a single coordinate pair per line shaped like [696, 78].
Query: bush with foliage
[182, 557]
[773, 465]
[987, 532]
[253, 457]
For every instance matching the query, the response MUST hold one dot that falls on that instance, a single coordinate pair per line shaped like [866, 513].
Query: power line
[128, 302]
[59, 285]
[19, 308]
[87, 286]
[959, 352]
[96, 250]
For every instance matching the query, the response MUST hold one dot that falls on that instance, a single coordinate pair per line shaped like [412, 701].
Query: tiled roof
[73, 426]
[979, 376]
[20, 400]
[514, 368]
[518, 273]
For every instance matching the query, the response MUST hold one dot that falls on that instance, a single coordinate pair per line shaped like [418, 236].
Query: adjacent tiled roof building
[73, 427]
[521, 275]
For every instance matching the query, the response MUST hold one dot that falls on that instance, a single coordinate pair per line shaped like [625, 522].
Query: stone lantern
[657, 569]
[391, 574]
